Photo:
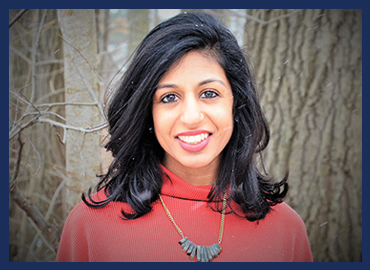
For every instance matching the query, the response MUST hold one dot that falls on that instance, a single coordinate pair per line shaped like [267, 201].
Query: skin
[194, 95]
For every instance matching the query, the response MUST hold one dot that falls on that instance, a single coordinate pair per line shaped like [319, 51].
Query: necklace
[202, 253]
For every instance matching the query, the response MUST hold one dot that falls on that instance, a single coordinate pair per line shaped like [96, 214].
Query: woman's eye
[169, 98]
[209, 94]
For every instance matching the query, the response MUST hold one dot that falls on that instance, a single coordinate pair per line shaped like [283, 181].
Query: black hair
[135, 175]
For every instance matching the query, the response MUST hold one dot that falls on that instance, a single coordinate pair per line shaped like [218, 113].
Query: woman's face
[192, 113]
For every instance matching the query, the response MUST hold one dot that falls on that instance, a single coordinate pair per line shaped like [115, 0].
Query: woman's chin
[197, 163]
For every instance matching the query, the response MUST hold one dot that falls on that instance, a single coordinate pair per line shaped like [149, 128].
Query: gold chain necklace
[202, 253]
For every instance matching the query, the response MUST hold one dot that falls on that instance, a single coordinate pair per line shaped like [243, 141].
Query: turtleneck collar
[174, 186]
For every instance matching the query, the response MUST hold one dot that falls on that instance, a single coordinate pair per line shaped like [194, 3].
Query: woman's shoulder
[82, 212]
[284, 213]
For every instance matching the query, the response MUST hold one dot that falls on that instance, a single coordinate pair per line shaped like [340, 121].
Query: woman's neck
[203, 176]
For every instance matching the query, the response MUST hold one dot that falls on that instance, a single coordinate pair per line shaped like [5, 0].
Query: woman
[185, 129]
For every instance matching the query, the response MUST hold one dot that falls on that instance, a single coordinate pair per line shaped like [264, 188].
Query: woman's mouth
[194, 143]
[194, 139]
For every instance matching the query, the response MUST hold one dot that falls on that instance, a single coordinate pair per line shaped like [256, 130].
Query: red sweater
[100, 235]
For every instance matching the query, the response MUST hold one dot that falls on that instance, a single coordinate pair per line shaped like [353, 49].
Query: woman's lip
[193, 133]
[194, 147]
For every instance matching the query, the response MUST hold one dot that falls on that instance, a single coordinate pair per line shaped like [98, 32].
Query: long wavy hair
[135, 176]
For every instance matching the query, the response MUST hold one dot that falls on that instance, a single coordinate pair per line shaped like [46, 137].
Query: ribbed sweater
[101, 235]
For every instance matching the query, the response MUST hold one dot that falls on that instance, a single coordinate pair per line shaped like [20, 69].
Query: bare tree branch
[17, 128]
[39, 119]
[49, 105]
[15, 176]
[37, 153]
[83, 130]
[39, 233]
[22, 97]
[20, 54]
[51, 232]
[16, 17]
[53, 200]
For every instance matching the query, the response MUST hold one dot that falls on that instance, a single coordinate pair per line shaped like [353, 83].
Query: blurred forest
[309, 69]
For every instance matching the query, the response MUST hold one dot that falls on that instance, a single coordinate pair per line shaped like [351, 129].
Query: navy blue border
[354, 4]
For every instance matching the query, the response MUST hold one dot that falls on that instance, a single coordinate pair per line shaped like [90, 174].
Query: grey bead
[205, 255]
[193, 252]
[183, 240]
[190, 249]
[202, 257]
[199, 253]
[186, 245]
[219, 248]
[210, 257]
[213, 251]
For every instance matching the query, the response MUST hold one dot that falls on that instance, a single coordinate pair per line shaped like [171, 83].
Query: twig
[265, 22]
[83, 130]
[37, 153]
[16, 112]
[19, 157]
[18, 107]
[17, 123]
[49, 245]
[21, 96]
[16, 128]
[13, 132]
[17, 17]
[49, 105]
[20, 54]
[23, 87]
[55, 196]
[49, 230]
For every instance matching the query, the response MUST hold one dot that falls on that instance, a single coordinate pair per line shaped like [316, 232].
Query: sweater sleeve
[295, 224]
[73, 245]
[302, 245]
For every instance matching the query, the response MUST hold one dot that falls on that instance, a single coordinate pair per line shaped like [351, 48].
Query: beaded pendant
[202, 253]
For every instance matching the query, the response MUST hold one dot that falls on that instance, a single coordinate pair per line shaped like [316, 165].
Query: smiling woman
[186, 129]
[193, 117]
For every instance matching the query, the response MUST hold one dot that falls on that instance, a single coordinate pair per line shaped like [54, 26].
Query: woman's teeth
[194, 139]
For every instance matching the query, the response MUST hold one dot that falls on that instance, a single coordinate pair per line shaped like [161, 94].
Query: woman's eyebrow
[167, 86]
[199, 84]
[210, 81]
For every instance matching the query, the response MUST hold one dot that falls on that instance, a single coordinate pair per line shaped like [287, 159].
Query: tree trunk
[309, 69]
[138, 21]
[81, 86]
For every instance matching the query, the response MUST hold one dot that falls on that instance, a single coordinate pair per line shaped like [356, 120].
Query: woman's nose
[192, 114]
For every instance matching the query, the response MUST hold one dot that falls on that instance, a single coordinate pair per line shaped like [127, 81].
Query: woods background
[309, 69]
